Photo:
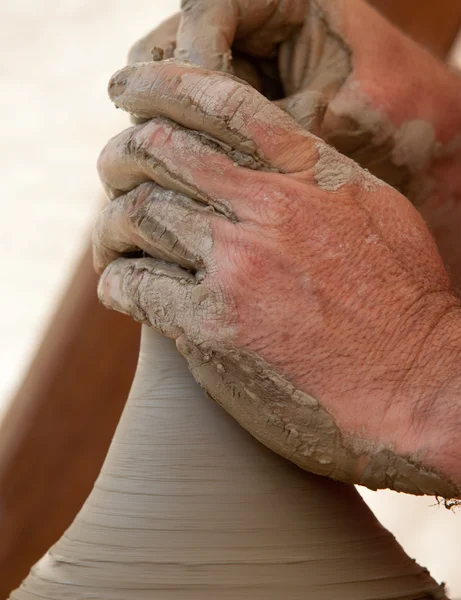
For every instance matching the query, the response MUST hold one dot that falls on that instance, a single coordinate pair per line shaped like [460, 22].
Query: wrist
[435, 392]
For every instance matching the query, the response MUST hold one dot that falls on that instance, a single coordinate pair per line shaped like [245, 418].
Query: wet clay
[188, 506]
[230, 129]
[160, 44]
[399, 156]
[232, 139]
[307, 108]
[289, 421]
[164, 223]
[296, 426]
[333, 170]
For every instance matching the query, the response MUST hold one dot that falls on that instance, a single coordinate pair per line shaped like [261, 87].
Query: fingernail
[119, 82]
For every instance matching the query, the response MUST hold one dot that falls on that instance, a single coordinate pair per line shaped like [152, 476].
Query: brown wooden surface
[434, 23]
[55, 437]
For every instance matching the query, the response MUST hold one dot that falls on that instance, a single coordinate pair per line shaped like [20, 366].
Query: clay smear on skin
[333, 170]
[296, 426]
[365, 133]
[167, 225]
[189, 507]
[400, 156]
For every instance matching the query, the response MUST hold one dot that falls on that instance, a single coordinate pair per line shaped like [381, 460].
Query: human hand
[400, 123]
[307, 296]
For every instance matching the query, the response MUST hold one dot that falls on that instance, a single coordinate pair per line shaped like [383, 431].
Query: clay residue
[414, 145]
[400, 156]
[188, 506]
[217, 116]
[307, 108]
[165, 224]
[296, 426]
[227, 106]
[333, 170]
[157, 53]
[143, 161]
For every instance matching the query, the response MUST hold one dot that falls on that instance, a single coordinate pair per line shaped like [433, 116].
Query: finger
[158, 44]
[162, 223]
[307, 108]
[152, 292]
[316, 57]
[243, 69]
[262, 38]
[206, 33]
[209, 27]
[218, 105]
[180, 160]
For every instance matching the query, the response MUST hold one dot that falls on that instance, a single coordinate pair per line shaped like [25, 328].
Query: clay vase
[188, 506]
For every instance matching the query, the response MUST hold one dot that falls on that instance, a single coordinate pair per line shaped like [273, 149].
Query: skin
[306, 292]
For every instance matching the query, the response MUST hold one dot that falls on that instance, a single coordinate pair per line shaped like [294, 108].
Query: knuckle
[281, 211]
[139, 204]
[137, 284]
[243, 101]
[224, 97]
[134, 144]
[247, 260]
[148, 142]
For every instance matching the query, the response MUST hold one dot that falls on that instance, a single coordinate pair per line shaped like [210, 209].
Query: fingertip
[119, 81]
[133, 81]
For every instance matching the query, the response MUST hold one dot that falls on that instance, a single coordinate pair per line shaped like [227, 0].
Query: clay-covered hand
[393, 107]
[307, 296]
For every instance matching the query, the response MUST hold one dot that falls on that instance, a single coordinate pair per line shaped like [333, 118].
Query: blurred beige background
[56, 58]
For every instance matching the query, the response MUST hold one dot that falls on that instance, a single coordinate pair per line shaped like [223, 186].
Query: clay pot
[188, 506]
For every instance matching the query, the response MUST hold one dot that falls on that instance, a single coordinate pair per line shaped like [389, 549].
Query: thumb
[206, 33]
